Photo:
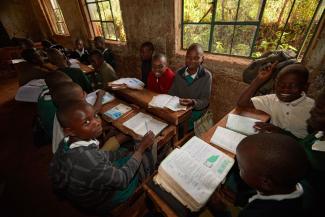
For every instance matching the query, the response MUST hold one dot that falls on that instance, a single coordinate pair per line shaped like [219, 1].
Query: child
[314, 145]
[105, 71]
[33, 68]
[106, 52]
[161, 78]
[80, 53]
[289, 107]
[92, 179]
[57, 58]
[273, 164]
[192, 83]
[146, 51]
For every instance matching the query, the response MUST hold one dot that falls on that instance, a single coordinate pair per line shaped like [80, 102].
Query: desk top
[252, 113]
[142, 99]
[166, 135]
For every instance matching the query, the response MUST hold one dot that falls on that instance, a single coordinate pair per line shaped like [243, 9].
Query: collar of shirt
[104, 50]
[319, 145]
[82, 143]
[295, 194]
[297, 101]
[80, 52]
[194, 75]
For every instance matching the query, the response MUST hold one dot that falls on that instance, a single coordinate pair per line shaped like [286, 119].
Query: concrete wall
[158, 22]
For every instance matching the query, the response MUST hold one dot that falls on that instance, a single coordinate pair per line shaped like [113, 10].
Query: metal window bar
[110, 6]
[214, 4]
[233, 33]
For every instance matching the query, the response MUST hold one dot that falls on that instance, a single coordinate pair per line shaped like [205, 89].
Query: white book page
[241, 124]
[227, 139]
[160, 100]
[174, 105]
[30, 91]
[154, 125]
[137, 122]
[91, 97]
[133, 83]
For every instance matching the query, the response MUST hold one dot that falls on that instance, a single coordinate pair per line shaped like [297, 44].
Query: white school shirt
[57, 134]
[290, 116]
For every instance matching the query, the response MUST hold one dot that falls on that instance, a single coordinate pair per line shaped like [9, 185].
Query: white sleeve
[57, 134]
[264, 103]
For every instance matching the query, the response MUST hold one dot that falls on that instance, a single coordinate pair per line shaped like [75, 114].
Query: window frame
[213, 23]
[49, 13]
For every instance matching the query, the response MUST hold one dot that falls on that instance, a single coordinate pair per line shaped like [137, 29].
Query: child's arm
[263, 76]
[98, 103]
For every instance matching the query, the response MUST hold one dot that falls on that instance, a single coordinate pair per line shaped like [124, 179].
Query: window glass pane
[243, 40]
[222, 36]
[105, 11]
[60, 28]
[54, 4]
[197, 10]
[109, 31]
[196, 34]
[97, 28]
[58, 15]
[118, 20]
[249, 10]
[93, 12]
[226, 10]
[90, 0]
[297, 25]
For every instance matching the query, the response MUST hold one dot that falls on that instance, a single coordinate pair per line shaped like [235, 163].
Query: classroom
[175, 108]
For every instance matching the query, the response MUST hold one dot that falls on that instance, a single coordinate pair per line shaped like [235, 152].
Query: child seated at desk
[105, 71]
[57, 58]
[273, 164]
[161, 78]
[192, 83]
[92, 179]
[314, 145]
[80, 53]
[105, 51]
[146, 51]
[289, 107]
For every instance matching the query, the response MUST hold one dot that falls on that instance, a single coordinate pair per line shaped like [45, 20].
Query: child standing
[106, 52]
[80, 53]
[289, 107]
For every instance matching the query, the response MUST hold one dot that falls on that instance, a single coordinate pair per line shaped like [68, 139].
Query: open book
[132, 83]
[91, 98]
[30, 91]
[141, 124]
[117, 111]
[166, 101]
[193, 172]
[237, 129]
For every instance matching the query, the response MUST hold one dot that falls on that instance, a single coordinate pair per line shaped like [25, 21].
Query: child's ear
[68, 131]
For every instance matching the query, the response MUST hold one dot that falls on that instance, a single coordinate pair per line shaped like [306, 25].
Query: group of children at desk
[272, 162]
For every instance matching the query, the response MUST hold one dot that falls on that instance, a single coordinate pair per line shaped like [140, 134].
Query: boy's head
[32, 56]
[79, 119]
[159, 64]
[57, 58]
[271, 163]
[291, 81]
[79, 44]
[27, 43]
[56, 77]
[317, 114]
[194, 57]
[96, 59]
[146, 51]
[66, 91]
[99, 43]
[46, 44]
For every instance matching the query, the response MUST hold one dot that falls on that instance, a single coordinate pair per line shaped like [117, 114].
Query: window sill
[118, 43]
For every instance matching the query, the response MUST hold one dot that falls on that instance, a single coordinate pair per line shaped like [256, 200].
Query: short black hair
[67, 109]
[297, 69]
[148, 44]
[196, 46]
[27, 43]
[99, 38]
[28, 54]
[96, 53]
[46, 44]
[55, 77]
[158, 56]
[77, 40]
[64, 91]
[280, 157]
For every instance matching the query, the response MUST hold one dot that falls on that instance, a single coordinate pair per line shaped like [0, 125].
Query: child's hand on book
[186, 102]
[100, 93]
[146, 142]
[263, 127]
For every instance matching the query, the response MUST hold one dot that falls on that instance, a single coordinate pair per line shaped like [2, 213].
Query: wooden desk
[165, 136]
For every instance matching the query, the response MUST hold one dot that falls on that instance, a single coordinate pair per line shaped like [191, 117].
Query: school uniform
[145, 70]
[161, 84]
[78, 77]
[105, 74]
[82, 56]
[290, 116]
[57, 134]
[109, 57]
[92, 179]
[196, 87]
[282, 205]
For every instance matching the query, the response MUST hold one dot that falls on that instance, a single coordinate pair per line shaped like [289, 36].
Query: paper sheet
[241, 124]
[166, 101]
[91, 98]
[132, 83]
[30, 91]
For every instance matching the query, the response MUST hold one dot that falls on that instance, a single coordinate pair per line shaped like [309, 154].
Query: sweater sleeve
[203, 101]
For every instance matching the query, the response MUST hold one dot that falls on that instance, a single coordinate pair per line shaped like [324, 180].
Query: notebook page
[227, 139]
[174, 105]
[241, 124]
[154, 125]
[160, 100]
[91, 97]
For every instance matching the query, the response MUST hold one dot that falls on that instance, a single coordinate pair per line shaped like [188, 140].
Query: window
[250, 27]
[55, 16]
[106, 19]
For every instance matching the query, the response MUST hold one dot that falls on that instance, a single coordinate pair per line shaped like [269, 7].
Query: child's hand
[100, 93]
[267, 128]
[146, 142]
[266, 72]
[186, 102]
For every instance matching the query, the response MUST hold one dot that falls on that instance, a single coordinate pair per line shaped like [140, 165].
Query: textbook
[132, 83]
[141, 124]
[237, 128]
[193, 172]
[117, 111]
[30, 91]
[91, 98]
[166, 101]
